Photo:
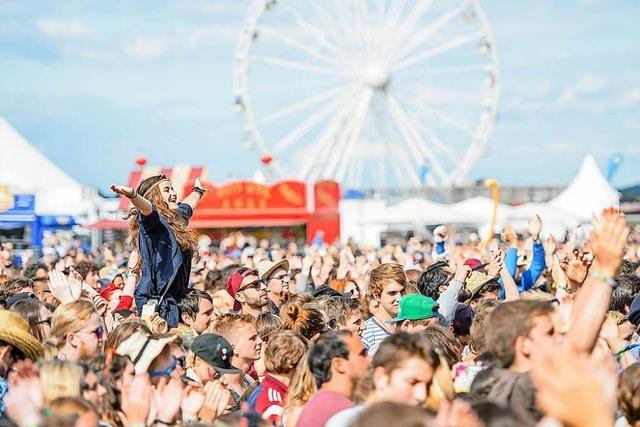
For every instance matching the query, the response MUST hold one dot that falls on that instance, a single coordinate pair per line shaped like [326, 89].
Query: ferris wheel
[371, 93]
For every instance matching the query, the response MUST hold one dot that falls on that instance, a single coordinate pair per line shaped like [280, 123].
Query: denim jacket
[165, 267]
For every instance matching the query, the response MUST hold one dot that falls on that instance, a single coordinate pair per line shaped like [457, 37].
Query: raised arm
[608, 240]
[193, 199]
[143, 205]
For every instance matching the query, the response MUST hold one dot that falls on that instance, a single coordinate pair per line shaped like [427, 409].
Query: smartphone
[149, 309]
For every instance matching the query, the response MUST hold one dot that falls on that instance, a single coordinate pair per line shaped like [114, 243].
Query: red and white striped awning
[179, 176]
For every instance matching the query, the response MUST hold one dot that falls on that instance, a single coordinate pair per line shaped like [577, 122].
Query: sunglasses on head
[166, 372]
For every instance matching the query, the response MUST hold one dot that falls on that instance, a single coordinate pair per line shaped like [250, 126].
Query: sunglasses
[99, 332]
[167, 371]
[253, 285]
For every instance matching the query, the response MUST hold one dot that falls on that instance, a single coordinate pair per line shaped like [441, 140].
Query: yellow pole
[495, 195]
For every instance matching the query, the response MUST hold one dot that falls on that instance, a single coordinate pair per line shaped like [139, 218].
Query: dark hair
[401, 346]
[31, 270]
[432, 278]
[228, 271]
[494, 414]
[29, 310]
[213, 281]
[507, 322]
[85, 267]
[621, 299]
[628, 390]
[329, 346]
[190, 302]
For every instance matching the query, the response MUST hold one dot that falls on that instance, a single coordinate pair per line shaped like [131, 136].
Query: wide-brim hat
[15, 330]
[476, 281]
[266, 268]
[142, 349]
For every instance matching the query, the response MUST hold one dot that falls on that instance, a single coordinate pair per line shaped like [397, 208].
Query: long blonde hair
[60, 378]
[67, 319]
[441, 388]
[149, 189]
[303, 385]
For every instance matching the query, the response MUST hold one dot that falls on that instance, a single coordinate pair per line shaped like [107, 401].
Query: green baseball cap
[415, 307]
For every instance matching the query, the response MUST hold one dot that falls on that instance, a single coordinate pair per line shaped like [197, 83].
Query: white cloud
[86, 54]
[56, 27]
[190, 40]
[630, 97]
[149, 47]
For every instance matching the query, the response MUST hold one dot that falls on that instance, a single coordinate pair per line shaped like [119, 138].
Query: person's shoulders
[185, 210]
[345, 417]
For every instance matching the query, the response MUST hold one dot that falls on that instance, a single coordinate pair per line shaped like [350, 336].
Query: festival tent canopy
[479, 210]
[27, 171]
[416, 211]
[588, 193]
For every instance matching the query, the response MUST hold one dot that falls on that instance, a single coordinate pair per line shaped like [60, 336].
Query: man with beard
[248, 291]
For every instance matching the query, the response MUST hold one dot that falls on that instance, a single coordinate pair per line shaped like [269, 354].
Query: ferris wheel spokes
[408, 46]
[311, 121]
[305, 66]
[434, 51]
[352, 140]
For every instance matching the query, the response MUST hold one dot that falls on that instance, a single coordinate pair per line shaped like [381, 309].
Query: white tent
[26, 170]
[588, 193]
[478, 210]
[416, 211]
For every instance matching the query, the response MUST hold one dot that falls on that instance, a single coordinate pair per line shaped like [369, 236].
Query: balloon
[141, 161]
[266, 159]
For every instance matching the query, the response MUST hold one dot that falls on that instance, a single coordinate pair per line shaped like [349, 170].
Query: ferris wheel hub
[376, 76]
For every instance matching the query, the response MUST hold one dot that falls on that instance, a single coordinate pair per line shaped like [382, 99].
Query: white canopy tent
[588, 193]
[416, 211]
[26, 170]
[479, 210]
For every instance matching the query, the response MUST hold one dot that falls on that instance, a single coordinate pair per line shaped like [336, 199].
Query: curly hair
[149, 189]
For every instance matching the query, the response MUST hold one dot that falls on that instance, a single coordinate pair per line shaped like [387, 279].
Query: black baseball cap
[216, 351]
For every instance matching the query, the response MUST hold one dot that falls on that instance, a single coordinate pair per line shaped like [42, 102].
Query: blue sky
[95, 84]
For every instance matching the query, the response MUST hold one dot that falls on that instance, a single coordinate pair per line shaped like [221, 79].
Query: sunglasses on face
[99, 332]
[253, 285]
[166, 372]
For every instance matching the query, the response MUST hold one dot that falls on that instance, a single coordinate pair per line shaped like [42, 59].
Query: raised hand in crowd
[65, 289]
[137, 399]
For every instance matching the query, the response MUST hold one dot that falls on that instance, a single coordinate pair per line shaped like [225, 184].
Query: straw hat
[15, 330]
[476, 281]
[142, 349]
[265, 268]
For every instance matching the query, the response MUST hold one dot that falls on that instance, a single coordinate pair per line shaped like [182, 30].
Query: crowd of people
[169, 329]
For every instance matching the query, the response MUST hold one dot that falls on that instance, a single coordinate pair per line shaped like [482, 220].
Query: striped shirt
[373, 335]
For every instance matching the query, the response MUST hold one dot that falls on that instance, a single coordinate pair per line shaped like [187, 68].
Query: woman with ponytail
[159, 233]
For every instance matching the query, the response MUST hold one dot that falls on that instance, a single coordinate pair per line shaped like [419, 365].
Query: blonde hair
[441, 388]
[382, 275]
[303, 386]
[149, 189]
[60, 378]
[227, 324]
[284, 351]
[67, 319]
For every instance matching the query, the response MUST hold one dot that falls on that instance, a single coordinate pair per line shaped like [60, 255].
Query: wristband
[606, 279]
[135, 194]
[198, 190]
[162, 422]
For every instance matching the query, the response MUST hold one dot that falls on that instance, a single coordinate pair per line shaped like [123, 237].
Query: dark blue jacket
[165, 267]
